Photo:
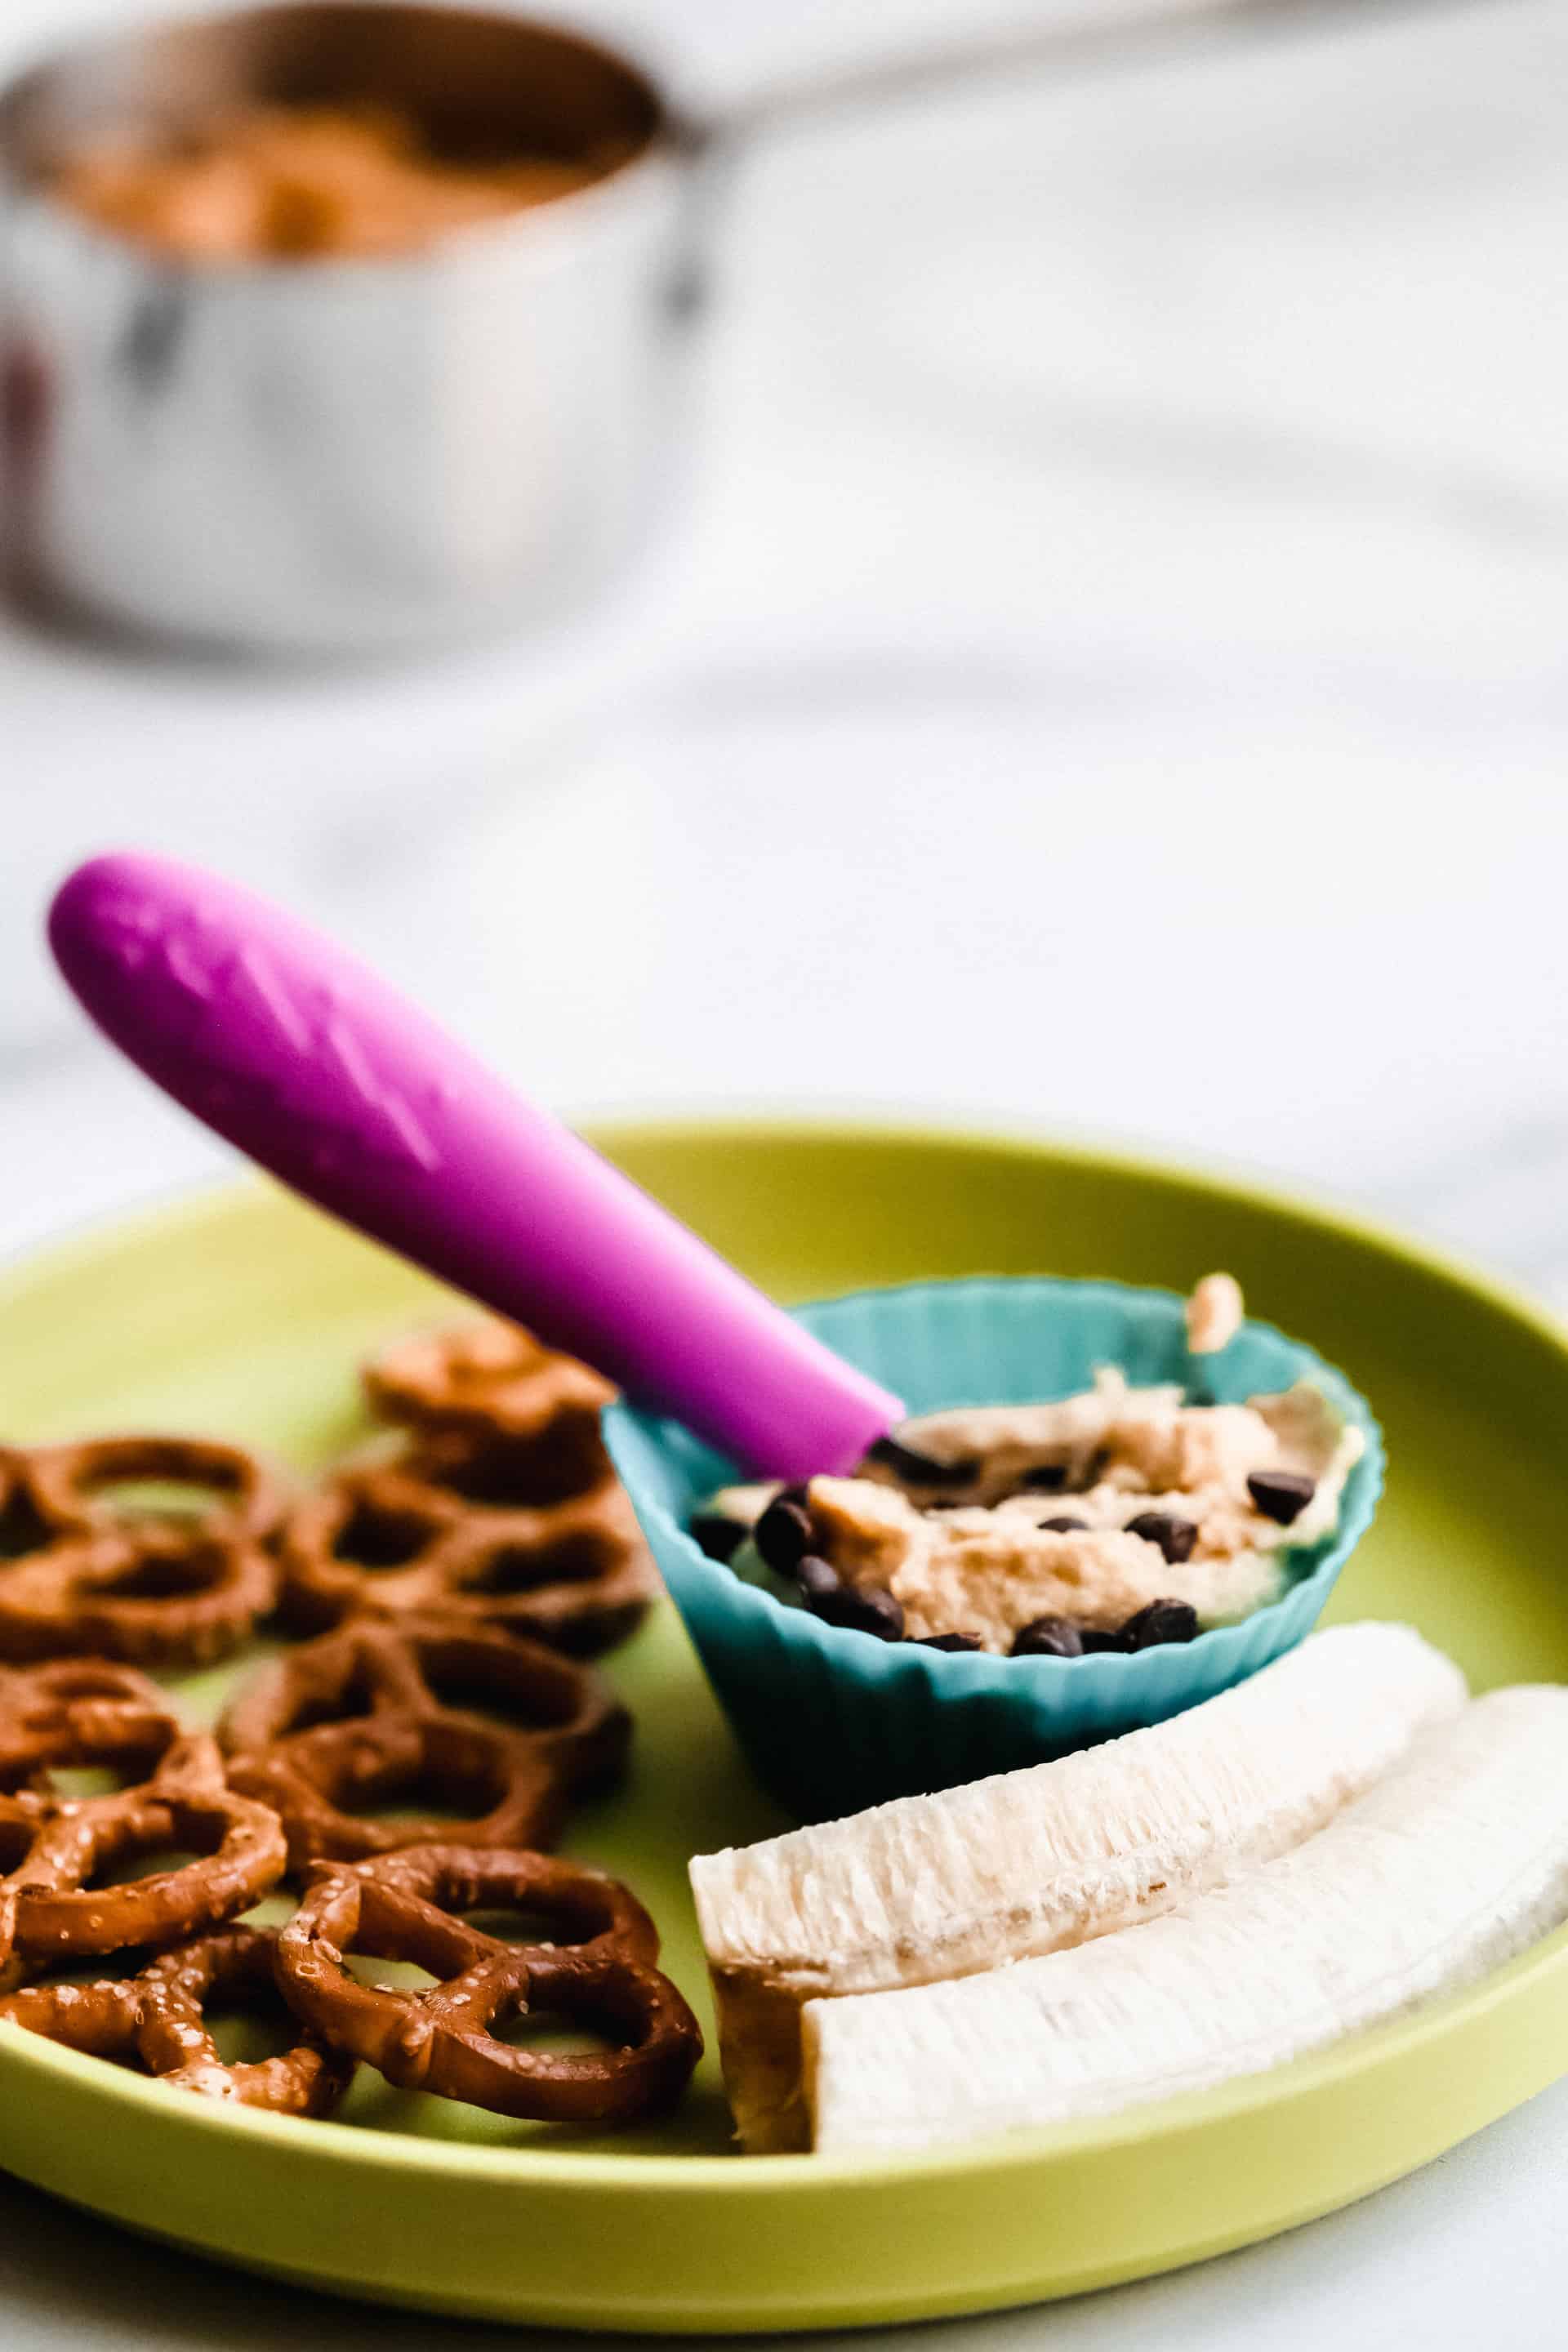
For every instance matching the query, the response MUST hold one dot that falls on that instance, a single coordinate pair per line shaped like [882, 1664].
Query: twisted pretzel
[76, 1714]
[23, 1865]
[154, 1598]
[361, 1717]
[388, 1541]
[155, 1587]
[51, 1914]
[23, 1528]
[66, 1483]
[439, 2040]
[174, 2043]
[158, 2018]
[491, 1379]
[99, 2019]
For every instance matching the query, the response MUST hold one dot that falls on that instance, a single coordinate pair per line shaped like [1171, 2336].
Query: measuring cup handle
[293, 1051]
[1101, 33]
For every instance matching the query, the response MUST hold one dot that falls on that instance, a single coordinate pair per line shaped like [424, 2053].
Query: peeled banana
[1447, 1867]
[935, 1888]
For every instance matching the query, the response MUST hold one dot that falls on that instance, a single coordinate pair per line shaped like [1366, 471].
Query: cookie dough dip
[1113, 1519]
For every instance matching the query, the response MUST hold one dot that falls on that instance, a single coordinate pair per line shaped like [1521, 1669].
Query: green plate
[243, 1314]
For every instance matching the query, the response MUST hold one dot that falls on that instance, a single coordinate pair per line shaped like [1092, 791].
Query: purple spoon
[300, 1057]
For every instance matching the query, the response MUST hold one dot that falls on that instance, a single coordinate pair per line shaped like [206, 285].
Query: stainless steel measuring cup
[341, 455]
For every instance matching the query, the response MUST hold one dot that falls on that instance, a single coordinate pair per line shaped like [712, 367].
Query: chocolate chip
[861, 1609]
[1048, 1637]
[1045, 1478]
[920, 1469]
[1281, 1494]
[719, 1536]
[1094, 1640]
[815, 1576]
[1175, 1537]
[1066, 1525]
[782, 1534]
[929, 1507]
[949, 1642]
[1162, 1621]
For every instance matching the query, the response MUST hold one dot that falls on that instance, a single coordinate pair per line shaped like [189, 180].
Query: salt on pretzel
[600, 1972]
[54, 1915]
[99, 2019]
[160, 2019]
[24, 1866]
[174, 2041]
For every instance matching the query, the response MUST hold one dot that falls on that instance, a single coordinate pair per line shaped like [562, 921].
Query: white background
[1111, 675]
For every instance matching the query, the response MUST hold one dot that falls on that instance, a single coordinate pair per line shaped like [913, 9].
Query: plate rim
[806, 2172]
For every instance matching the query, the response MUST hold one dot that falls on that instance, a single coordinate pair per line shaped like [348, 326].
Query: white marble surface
[1130, 559]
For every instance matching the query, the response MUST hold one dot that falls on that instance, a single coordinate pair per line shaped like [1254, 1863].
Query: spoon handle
[296, 1053]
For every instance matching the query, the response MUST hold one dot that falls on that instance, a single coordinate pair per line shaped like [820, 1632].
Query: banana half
[1449, 1866]
[939, 1887]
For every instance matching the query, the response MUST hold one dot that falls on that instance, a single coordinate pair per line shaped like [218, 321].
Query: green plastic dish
[242, 1312]
[831, 1721]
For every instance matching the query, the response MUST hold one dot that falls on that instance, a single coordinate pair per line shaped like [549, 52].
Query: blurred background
[1104, 668]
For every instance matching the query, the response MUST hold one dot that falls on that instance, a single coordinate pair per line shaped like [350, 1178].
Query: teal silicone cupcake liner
[832, 1721]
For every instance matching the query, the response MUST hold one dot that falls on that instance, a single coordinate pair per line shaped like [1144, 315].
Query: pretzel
[363, 1540]
[24, 1863]
[359, 1717]
[152, 1598]
[99, 2019]
[56, 1915]
[412, 1536]
[66, 1483]
[23, 1528]
[441, 2040]
[74, 1714]
[491, 1379]
[158, 2018]
[174, 2043]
